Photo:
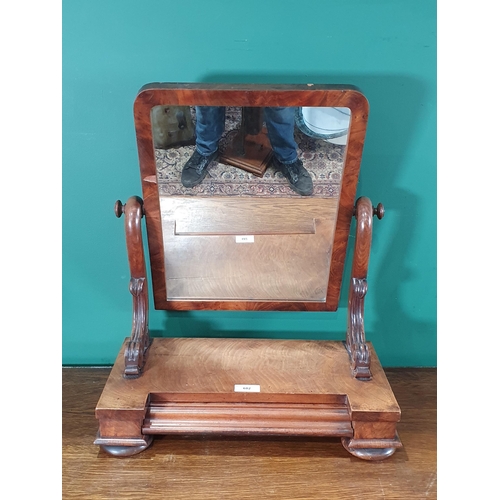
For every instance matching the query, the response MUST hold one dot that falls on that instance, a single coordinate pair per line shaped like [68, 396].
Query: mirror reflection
[249, 198]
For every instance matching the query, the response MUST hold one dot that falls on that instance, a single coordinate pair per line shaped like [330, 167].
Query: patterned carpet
[323, 160]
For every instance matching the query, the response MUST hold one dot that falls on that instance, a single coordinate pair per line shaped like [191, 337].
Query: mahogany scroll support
[355, 342]
[139, 341]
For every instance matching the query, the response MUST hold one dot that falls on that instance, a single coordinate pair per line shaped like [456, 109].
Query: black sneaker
[298, 177]
[196, 168]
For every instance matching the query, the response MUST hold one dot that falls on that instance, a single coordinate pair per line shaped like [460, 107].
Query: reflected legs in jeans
[280, 123]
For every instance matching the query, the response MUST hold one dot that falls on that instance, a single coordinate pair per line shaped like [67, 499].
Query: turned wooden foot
[124, 451]
[368, 453]
[371, 449]
[124, 447]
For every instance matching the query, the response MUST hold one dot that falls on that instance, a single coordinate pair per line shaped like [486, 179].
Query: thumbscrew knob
[379, 211]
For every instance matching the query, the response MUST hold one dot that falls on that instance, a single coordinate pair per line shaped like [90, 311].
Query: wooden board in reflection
[247, 249]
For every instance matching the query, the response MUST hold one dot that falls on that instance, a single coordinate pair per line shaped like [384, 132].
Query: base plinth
[248, 387]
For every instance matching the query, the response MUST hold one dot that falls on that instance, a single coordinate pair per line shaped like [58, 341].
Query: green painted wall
[386, 47]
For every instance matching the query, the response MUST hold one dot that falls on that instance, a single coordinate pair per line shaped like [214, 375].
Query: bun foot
[368, 453]
[123, 450]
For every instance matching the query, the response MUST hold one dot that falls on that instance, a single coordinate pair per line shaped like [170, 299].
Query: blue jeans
[280, 123]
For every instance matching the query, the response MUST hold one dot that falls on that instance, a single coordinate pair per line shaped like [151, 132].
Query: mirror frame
[251, 95]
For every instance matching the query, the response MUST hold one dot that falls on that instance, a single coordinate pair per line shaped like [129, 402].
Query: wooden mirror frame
[240, 95]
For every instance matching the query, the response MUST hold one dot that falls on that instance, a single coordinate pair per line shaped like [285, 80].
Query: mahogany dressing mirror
[244, 238]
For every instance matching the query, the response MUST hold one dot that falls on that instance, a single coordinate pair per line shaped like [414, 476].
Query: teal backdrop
[385, 47]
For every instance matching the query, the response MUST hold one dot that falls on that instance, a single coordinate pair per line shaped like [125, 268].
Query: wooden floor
[251, 468]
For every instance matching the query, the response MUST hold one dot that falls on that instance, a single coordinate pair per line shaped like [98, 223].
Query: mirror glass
[243, 233]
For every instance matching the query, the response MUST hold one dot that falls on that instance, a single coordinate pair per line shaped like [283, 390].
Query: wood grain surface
[213, 366]
[248, 468]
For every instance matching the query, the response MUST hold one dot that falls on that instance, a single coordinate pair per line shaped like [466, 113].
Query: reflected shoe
[297, 176]
[196, 168]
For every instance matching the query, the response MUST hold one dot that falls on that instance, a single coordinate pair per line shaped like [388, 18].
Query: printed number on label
[244, 239]
[246, 388]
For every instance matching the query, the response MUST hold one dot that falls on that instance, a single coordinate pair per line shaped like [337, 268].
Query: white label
[245, 239]
[246, 388]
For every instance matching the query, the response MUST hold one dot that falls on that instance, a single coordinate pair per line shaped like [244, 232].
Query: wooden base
[256, 157]
[191, 386]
